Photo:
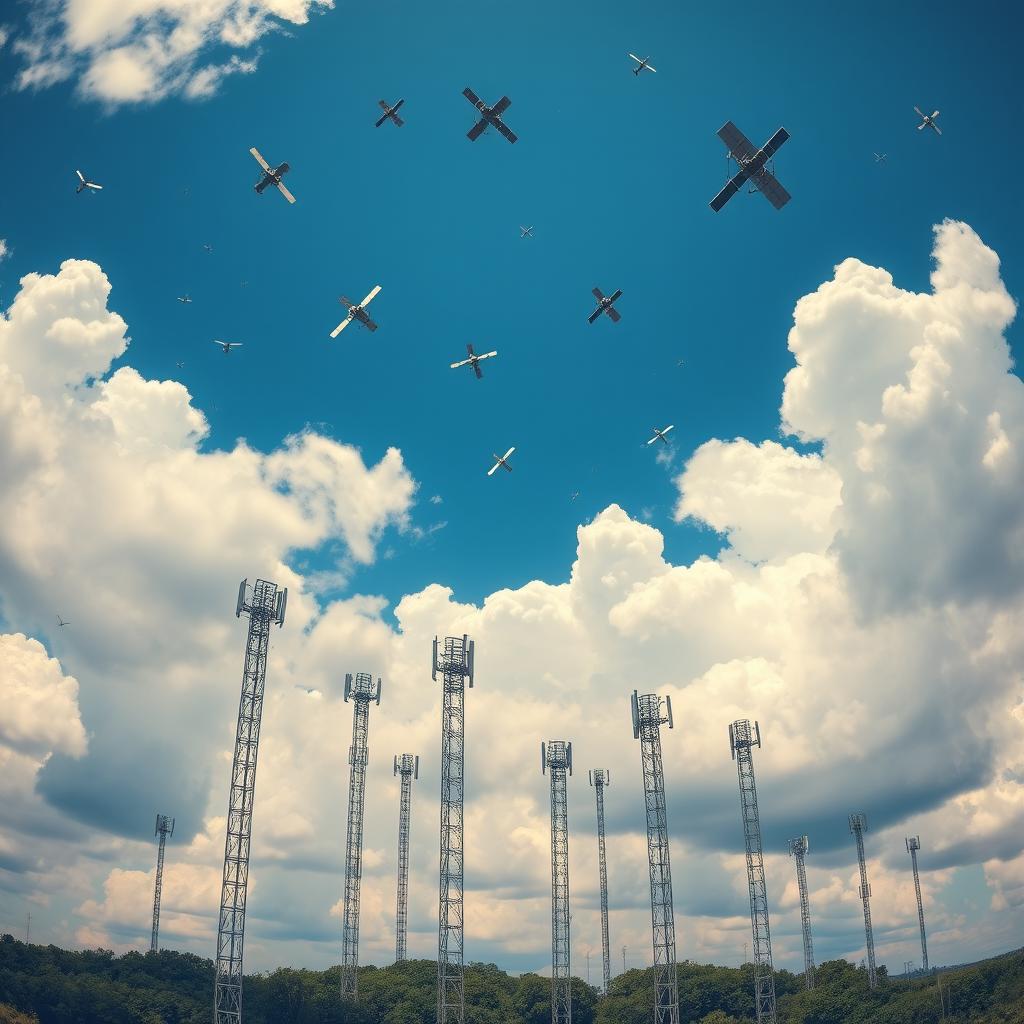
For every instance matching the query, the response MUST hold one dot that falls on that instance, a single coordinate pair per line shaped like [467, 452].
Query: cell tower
[798, 849]
[164, 828]
[558, 758]
[265, 605]
[647, 722]
[456, 665]
[408, 766]
[599, 778]
[362, 690]
[741, 741]
[859, 822]
[913, 845]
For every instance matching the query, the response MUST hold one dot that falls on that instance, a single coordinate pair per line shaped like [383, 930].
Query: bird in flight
[84, 183]
[228, 345]
[62, 622]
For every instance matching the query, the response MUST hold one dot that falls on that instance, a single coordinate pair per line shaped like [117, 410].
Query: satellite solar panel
[471, 96]
[616, 295]
[739, 145]
[768, 185]
[398, 121]
[476, 131]
[775, 141]
[501, 106]
[479, 372]
[731, 188]
[371, 325]
[506, 131]
[593, 316]
[597, 294]
[615, 315]
[383, 104]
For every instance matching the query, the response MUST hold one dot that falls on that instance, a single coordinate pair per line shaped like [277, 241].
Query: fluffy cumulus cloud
[141, 50]
[864, 608]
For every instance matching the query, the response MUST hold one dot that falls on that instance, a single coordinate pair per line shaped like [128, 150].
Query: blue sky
[615, 173]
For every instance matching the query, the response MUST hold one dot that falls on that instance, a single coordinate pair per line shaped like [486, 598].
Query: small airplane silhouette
[527, 231]
[642, 64]
[659, 435]
[880, 158]
[928, 120]
[228, 345]
[186, 298]
[501, 461]
[84, 183]
[61, 622]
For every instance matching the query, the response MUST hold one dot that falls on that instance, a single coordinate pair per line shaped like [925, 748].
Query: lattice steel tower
[859, 822]
[741, 741]
[362, 690]
[647, 722]
[265, 605]
[913, 845]
[558, 758]
[456, 665]
[798, 849]
[408, 766]
[599, 778]
[164, 828]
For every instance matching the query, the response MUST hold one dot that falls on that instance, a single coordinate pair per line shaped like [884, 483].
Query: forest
[49, 985]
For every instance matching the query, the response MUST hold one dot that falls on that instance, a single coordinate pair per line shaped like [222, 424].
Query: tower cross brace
[599, 778]
[408, 767]
[859, 822]
[913, 845]
[798, 850]
[265, 605]
[741, 740]
[362, 690]
[647, 722]
[455, 663]
[556, 759]
[164, 828]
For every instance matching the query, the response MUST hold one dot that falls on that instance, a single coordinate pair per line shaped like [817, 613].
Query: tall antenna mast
[913, 845]
[456, 664]
[859, 822]
[647, 722]
[798, 849]
[741, 741]
[599, 778]
[265, 605]
[558, 758]
[362, 690]
[408, 766]
[164, 828]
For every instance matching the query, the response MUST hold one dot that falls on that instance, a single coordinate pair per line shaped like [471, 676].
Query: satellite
[501, 460]
[605, 305]
[474, 360]
[489, 116]
[271, 176]
[357, 311]
[752, 167]
[390, 112]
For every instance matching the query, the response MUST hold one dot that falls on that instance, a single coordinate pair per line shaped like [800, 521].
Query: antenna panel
[636, 716]
[379, 688]
[240, 603]
[543, 760]
[757, 734]
[568, 755]
[668, 708]
[348, 685]
[433, 669]
[395, 771]
[416, 768]
[282, 603]
[732, 741]
[469, 646]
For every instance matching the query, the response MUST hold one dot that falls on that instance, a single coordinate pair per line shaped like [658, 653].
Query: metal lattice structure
[798, 850]
[164, 828]
[361, 690]
[265, 605]
[913, 845]
[456, 665]
[741, 741]
[408, 767]
[859, 822]
[647, 722]
[599, 778]
[556, 760]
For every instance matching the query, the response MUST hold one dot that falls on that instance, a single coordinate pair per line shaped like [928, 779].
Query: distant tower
[798, 849]
[913, 845]
[362, 690]
[408, 766]
[456, 664]
[741, 742]
[859, 822]
[599, 778]
[165, 828]
[647, 722]
[265, 605]
[558, 757]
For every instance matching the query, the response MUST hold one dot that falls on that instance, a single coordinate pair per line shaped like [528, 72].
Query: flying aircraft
[526, 231]
[928, 120]
[271, 176]
[474, 360]
[180, 364]
[207, 247]
[357, 312]
[575, 495]
[488, 116]
[502, 461]
[659, 435]
[880, 158]
[186, 298]
[752, 167]
[61, 622]
[604, 305]
[642, 64]
[228, 345]
[391, 112]
[84, 183]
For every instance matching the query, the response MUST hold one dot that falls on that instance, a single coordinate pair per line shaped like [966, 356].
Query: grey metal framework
[798, 850]
[599, 778]
[647, 722]
[362, 690]
[456, 666]
[408, 767]
[556, 759]
[859, 822]
[741, 741]
[164, 828]
[265, 605]
[913, 845]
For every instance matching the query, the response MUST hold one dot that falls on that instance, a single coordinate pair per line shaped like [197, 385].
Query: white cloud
[5, 250]
[141, 50]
